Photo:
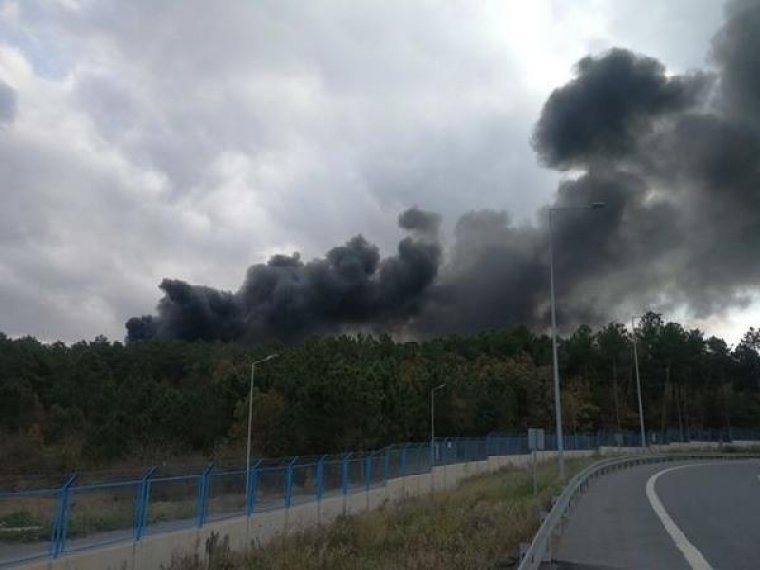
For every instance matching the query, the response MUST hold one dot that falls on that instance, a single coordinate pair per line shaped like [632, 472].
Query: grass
[30, 519]
[480, 524]
[27, 519]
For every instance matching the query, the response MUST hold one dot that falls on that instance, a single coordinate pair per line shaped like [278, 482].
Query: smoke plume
[287, 298]
[676, 159]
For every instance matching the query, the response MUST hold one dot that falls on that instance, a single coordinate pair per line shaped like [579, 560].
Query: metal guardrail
[539, 550]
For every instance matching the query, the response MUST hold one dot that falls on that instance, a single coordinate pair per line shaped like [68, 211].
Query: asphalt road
[696, 515]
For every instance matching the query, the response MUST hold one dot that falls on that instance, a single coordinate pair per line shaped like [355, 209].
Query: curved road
[699, 515]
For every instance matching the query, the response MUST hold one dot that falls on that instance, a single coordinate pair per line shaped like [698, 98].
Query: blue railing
[48, 523]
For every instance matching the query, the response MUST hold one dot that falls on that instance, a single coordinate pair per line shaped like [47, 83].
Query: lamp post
[432, 422]
[555, 360]
[638, 381]
[250, 417]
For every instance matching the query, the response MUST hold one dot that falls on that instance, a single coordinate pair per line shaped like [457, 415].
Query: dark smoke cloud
[605, 111]
[287, 298]
[736, 49]
[676, 162]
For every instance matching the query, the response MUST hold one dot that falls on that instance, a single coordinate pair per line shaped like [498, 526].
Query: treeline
[93, 402]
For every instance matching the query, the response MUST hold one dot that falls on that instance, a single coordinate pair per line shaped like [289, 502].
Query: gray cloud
[7, 103]
[680, 185]
[186, 142]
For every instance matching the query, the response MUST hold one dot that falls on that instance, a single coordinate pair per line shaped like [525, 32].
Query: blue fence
[47, 523]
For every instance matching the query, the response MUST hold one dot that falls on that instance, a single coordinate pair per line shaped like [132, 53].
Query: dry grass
[478, 525]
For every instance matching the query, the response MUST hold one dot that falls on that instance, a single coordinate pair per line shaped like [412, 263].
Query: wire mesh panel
[457, 452]
[270, 488]
[172, 503]
[585, 441]
[304, 483]
[417, 459]
[480, 450]
[226, 494]
[374, 470]
[394, 462]
[26, 524]
[331, 478]
[356, 479]
[518, 445]
[100, 514]
[439, 452]
[425, 458]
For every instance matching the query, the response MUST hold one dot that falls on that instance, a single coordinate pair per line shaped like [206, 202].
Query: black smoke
[604, 113]
[676, 159]
[287, 298]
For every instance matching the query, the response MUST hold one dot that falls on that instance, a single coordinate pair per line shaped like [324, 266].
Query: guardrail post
[253, 483]
[143, 502]
[344, 473]
[321, 477]
[203, 488]
[58, 540]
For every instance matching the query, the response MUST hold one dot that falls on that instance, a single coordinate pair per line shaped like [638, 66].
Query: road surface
[698, 515]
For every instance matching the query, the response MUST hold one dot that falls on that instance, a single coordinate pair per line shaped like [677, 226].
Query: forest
[95, 403]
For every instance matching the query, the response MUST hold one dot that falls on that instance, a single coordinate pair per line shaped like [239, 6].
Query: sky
[142, 140]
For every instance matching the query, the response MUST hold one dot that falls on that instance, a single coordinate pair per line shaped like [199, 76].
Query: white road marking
[693, 556]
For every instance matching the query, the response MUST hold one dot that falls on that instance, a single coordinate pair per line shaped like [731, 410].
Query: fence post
[344, 473]
[289, 483]
[402, 461]
[386, 466]
[368, 472]
[419, 458]
[58, 540]
[321, 477]
[143, 501]
[203, 485]
[253, 483]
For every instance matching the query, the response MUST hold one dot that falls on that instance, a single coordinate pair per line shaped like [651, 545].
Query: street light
[250, 416]
[638, 380]
[432, 422]
[557, 400]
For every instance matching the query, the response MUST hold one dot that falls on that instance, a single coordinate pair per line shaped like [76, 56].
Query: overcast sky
[141, 140]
